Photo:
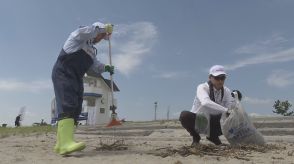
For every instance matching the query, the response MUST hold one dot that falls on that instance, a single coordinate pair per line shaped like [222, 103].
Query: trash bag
[238, 128]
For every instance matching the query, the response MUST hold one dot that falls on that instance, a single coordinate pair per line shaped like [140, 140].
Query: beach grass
[25, 131]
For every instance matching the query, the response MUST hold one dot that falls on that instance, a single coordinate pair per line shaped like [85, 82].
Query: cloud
[267, 51]
[274, 43]
[256, 101]
[20, 86]
[259, 115]
[133, 42]
[281, 78]
[282, 56]
[254, 114]
[171, 75]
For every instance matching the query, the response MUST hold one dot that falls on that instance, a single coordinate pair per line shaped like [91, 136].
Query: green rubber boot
[57, 145]
[65, 143]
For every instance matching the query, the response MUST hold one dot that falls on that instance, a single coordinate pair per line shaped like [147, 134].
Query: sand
[161, 142]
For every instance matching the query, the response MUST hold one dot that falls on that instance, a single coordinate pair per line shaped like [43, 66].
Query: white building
[97, 100]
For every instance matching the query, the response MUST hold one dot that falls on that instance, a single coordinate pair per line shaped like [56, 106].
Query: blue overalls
[67, 77]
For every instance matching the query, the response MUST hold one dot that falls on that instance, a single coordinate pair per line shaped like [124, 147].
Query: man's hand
[110, 69]
[108, 28]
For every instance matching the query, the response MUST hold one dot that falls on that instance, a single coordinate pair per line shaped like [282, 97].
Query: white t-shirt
[203, 103]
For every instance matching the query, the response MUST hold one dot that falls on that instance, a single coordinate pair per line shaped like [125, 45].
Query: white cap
[217, 70]
[101, 26]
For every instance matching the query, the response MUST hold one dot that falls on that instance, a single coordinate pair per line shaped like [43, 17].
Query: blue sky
[162, 49]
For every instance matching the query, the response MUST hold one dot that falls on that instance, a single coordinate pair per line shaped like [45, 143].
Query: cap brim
[218, 73]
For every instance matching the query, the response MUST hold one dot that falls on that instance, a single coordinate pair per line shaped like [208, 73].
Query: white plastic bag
[238, 128]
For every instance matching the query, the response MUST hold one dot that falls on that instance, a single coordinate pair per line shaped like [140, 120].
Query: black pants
[16, 123]
[187, 120]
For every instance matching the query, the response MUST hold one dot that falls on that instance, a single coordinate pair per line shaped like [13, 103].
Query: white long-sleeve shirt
[82, 38]
[203, 103]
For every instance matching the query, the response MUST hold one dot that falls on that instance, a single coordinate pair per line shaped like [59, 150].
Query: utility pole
[167, 115]
[155, 107]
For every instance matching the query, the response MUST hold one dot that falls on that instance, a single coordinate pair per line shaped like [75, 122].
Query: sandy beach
[154, 142]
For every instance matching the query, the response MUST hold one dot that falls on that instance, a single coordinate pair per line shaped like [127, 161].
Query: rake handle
[111, 78]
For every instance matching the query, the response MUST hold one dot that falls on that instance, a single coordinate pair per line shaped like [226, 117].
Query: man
[212, 99]
[77, 56]
[17, 121]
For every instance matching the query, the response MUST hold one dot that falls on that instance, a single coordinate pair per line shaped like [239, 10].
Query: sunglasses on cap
[220, 77]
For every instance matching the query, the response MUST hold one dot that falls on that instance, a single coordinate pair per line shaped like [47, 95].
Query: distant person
[212, 98]
[17, 120]
[43, 123]
[77, 56]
